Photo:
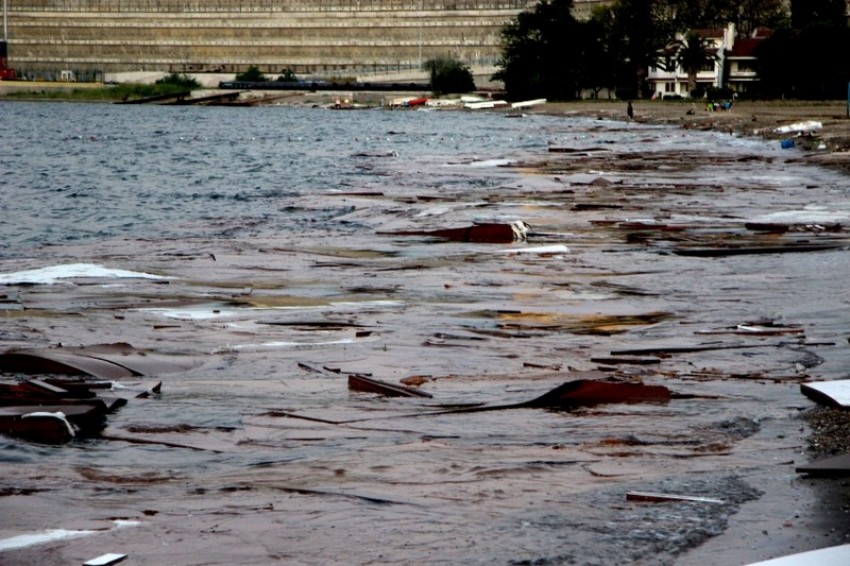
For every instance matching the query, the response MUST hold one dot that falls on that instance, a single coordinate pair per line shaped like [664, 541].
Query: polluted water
[253, 262]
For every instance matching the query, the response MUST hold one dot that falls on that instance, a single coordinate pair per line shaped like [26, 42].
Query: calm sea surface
[85, 172]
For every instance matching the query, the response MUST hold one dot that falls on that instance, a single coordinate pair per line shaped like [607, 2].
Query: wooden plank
[837, 466]
[832, 556]
[54, 362]
[368, 385]
[835, 393]
[668, 497]
[106, 559]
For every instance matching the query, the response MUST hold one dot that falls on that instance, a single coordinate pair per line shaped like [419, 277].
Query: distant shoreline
[828, 145]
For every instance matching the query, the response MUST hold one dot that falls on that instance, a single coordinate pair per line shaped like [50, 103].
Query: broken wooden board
[837, 466]
[106, 559]
[35, 362]
[632, 360]
[139, 362]
[835, 393]
[682, 349]
[369, 385]
[832, 556]
[35, 392]
[103, 361]
[668, 497]
[55, 424]
[755, 330]
[724, 251]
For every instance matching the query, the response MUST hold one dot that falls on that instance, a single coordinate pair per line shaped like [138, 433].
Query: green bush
[448, 75]
[288, 76]
[252, 75]
[182, 81]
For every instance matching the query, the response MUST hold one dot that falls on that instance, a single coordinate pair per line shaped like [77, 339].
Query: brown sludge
[251, 456]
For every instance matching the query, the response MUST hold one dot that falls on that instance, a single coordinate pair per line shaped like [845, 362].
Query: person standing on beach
[630, 111]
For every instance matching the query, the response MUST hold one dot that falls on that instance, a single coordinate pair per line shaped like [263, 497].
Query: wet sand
[747, 118]
[288, 466]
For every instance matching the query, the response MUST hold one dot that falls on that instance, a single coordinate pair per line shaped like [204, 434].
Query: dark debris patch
[640, 533]
[829, 431]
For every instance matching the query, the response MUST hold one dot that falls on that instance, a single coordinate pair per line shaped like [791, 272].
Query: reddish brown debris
[586, 393]
[489, 233]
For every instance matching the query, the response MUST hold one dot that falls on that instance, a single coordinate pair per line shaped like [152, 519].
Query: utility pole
[421, 15]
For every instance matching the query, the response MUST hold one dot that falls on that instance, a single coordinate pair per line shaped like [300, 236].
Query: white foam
[282, 345]
[52, 535]
[809, 215]
[287, 344]
[52, 274]
[201, 313]
[23, 541]
[490, 163]
[553, 249]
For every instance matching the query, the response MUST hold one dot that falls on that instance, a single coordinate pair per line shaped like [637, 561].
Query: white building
[733, 65]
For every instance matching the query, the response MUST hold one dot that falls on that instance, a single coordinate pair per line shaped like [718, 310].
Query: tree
[797, 63]
[288, 76]
[805, 13]
[540, 53]
[252, 75]
[448, 75]
[747, 15]
[694, 52]
[753, 14]
[597, 56]
[642, 29]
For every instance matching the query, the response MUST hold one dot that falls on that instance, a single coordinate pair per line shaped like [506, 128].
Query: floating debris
[832, 556]
[41, 412]
[480, 232]
[836, 466]
[368, 385]
[667, 497]
[756, 329]
[528, 103]
[587, 393]
[105, 559]
[835, 393]
[104, 361]
[800, 127]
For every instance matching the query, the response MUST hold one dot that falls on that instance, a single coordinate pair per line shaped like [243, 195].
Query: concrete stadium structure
[306, 36]
[85, 39]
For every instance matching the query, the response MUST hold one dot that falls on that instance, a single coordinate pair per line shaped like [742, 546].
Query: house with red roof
[730, 62]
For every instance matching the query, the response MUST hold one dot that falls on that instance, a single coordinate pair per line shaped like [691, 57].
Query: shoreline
[827, 145]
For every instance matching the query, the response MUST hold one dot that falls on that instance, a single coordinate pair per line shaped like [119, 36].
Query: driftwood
[368, 385]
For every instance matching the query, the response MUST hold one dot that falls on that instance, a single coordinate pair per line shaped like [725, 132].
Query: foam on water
[55, 273]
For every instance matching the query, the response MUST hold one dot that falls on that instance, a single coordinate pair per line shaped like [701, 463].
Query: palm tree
[693, 53]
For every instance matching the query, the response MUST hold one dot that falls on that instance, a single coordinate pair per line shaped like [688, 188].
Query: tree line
[547, 53]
